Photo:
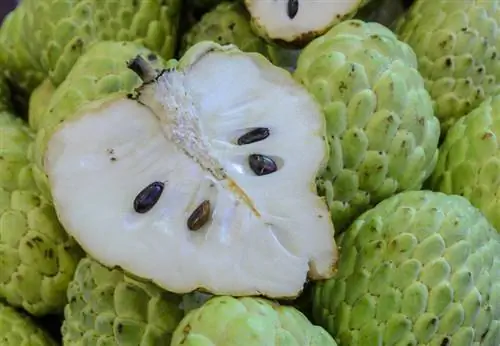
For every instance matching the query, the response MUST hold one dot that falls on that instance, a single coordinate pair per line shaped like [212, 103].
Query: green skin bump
[457, 44]
[60, 31]
[469, 160]
[421, 268]
[39, 102]
[108, 307]
[381, 128]
[229, 23]
[102, 71]
[17, 329]
[228, 321]
[37, 257]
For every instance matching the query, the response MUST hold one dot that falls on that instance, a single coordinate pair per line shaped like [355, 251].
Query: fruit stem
[142, 68]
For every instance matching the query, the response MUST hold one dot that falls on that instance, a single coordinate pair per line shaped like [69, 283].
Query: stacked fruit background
[250, 172]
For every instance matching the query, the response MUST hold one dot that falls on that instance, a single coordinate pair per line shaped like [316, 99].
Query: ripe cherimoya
[108, 307]
[39, 101]
[202, 178]
[420, 268]
[37, 257]
[380, 123]
[457, 45]
[296, 22]
[469, 160]
[17, 329]
[228, 321]
[60, 31]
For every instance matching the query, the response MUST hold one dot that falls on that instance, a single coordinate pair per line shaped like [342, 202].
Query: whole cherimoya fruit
[469, 162]
[109, 307]
[380, 123]
[456, 43]
[229, 321]
[420, 268]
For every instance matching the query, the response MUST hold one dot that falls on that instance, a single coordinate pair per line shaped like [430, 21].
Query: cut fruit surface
[298, 21]
[203, 179]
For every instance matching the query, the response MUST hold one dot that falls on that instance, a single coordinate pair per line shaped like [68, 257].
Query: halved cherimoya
[204, 178]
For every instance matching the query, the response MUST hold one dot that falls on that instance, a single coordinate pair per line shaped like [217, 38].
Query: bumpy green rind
[20, 68]
[108, 307]
[37, 257]
[228, 321]
[469, 161]
[38, 103]
[381, 127]
[17, 329]
[229, 23]
[102, 71]
[457, 44]
[306, 37]
[60, 31]
[421, 268]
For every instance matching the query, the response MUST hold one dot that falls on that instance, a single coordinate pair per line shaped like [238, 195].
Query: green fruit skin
[62, 30]
[108, 307]
[17, 329]
[229, 321]
[381, 127]
[100, 72]
[38, 103]
[420, 268]
[469, 161]
[37, 257]
[457, 44]
[20, 68]
[229, 23]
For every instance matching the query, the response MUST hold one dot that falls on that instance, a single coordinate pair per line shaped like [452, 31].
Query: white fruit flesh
[266, 233]
[313, 16]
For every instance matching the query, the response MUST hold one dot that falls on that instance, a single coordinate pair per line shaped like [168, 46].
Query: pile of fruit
[250, 173]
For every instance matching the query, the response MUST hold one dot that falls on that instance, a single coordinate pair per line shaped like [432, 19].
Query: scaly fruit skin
[62, 30]
[457, 45]
[39, 102]
[380, 124]
[16, 329]
[20, 68]
[108, 307]
[100, 72]
[228, 321]
[469, 161]
[37, 257]
[421, 268]
[228, 23]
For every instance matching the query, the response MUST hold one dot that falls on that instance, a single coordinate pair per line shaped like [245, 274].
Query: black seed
[262, 165]
[292, 8]
[148, 197]
[199, 217]
[256, 135]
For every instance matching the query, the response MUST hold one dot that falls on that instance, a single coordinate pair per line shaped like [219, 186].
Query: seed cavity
[255, 135]
[148, 197]
[261, 164]
[292, 8]
[199, 217]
